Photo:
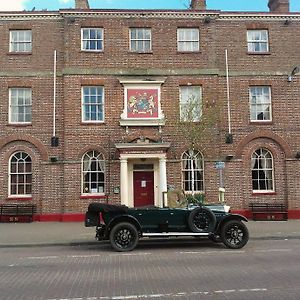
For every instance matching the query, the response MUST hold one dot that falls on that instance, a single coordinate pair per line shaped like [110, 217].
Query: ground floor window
[262, 171]
[192, 171]
[93, 173]
[20, 174]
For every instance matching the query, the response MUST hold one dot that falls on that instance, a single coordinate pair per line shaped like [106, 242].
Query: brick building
[91, 103]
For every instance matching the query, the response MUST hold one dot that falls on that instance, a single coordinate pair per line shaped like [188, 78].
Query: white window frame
[265, 158]
[98, 157]
[255, 44]
[18, 174]
[143, 39]
[24, 105]
[20, 41]
[188, 43]
[96, 39]
[188, 157]
[260, 103]
[188, 98]
[97, 104]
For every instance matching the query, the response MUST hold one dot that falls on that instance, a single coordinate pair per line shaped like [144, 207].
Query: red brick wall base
[75, 217]
[292, 214]
[79, 217]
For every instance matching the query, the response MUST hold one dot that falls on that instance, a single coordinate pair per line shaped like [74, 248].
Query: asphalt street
[176, 269]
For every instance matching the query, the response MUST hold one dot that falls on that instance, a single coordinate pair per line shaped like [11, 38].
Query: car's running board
[175, 234]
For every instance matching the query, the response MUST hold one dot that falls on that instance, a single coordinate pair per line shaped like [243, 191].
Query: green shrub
[196, 198]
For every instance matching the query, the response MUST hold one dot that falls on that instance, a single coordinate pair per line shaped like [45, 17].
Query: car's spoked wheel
[202, 219]
[234, 234]
[124, 237]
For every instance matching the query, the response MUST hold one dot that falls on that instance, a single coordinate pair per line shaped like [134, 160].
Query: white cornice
[144, 14]
[25, 16]
[258, 16]
[147, 14]
[179, 14]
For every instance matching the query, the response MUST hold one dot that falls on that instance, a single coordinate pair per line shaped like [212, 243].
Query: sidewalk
[56, 233]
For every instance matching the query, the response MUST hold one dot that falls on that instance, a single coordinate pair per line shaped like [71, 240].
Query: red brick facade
[57, 171]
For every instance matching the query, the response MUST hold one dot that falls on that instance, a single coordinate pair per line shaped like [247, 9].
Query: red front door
[143, 185]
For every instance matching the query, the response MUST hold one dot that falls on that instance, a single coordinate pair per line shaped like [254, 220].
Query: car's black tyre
[234, 234]
[124, 237]
[202, 220]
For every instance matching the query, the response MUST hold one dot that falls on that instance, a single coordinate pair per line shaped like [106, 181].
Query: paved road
[264, 269]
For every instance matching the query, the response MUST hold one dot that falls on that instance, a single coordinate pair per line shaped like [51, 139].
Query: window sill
[91, 51]
[19, 125]
[19, 198]
[90, 196]
[19, 53]
[140, 52]
[259, 53]
[263, 193]
[188, 52]
[261, 122]
[93, 123]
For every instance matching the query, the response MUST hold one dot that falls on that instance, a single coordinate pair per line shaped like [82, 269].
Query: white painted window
[92, 39]
[20, 174]
[140, 39]
[188, 39]
[190, 103]
[262, 171]
[20, 105]
[192, 171]
[260, 103]
[93, 104]
[20, 41]
[258, 41]
[93, 173]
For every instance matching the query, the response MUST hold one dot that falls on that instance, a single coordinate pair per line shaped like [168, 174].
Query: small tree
[198, 122]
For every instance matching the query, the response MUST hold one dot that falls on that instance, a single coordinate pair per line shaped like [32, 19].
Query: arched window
[93, 173]
[262, 171]
[192, 171]
[20, 174]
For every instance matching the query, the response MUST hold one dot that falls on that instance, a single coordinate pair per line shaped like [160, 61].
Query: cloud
[12, 5]
[65, 1]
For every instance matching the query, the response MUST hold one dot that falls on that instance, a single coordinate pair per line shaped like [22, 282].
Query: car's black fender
[120, 219]
[228, 218]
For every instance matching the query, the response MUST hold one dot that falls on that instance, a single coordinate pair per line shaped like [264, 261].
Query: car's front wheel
[124, 237]
[234, 234]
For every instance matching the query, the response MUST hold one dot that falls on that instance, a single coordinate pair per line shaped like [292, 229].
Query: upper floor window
[258, 41]
[262, 171]
[20, 41]
[140, 39]
[92, 39]
[192, 171]
[92, 104]
[20, 105]
[20, 174]
[260, 103]
[190, 103]
[188, 39]
[93, 173]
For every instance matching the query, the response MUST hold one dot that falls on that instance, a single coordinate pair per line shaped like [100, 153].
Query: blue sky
[230, 5]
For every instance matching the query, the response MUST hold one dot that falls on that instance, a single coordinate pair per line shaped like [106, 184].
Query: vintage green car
[124, 226]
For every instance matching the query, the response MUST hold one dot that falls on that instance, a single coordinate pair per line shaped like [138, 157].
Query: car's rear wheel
[202, 220]
[234, 234]
[124, 237]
